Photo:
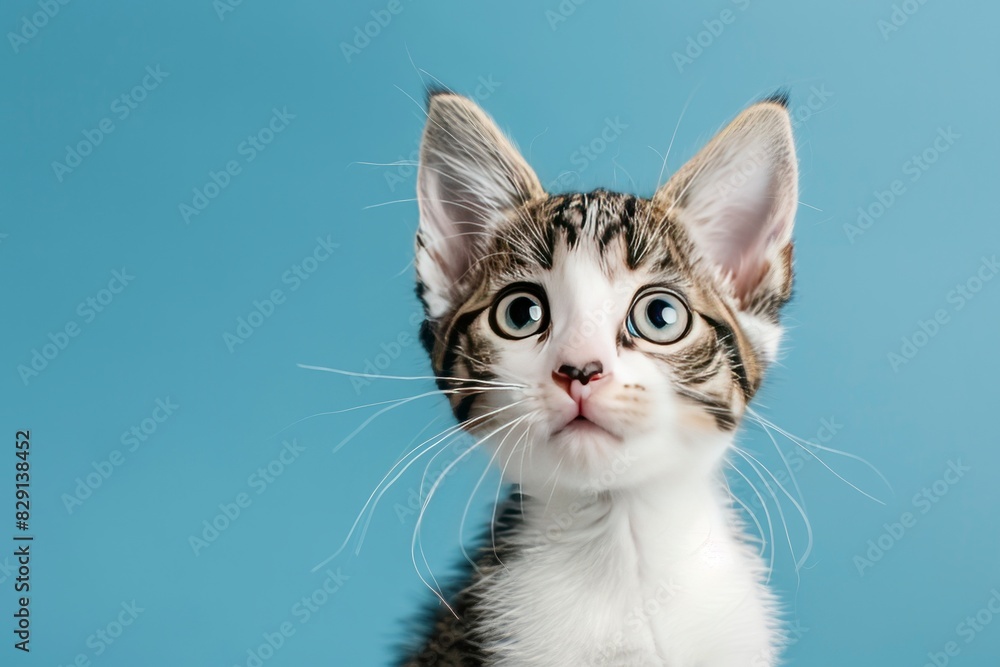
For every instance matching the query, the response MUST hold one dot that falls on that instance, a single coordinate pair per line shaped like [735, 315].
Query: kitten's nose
[589, 372]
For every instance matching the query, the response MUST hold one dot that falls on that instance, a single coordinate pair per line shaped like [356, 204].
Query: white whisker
[767, 516]
[405, 399]
[451, 430]
[496, 505]
[746, 508]
[809, 534]
[420, 517]
[465, 512]
[805, 445]
[376, 376]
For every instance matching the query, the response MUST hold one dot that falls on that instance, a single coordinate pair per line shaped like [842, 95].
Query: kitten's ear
[470, 175]
[737, 198]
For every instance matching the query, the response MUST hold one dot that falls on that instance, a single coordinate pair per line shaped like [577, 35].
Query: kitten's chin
[583, 449]
[581, 427]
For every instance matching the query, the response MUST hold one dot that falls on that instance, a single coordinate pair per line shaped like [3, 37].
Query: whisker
[403, 270]
[810, 443]
[397, 163]
[524, 450]
[802, 444]
[409, 448]
[370, 419]
[663, 165]
[387, 203]
[442, 436]
[441, 443]
[420, 517]
[809, 534]
[746, 508]
[456, 429]
[496, 504]
[475, 489]
[767, 516]
[795, 481]
[436, 392]
[555, 482]
[774, 497]
[340, 371]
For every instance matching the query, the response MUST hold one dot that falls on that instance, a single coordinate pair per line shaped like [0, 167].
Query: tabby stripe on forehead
[627, 227]
[571, 230]
[727, 338]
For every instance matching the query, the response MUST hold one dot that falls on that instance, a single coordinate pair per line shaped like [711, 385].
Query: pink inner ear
[738, 228]
[469, 173]
[449, 227]
[738, 196]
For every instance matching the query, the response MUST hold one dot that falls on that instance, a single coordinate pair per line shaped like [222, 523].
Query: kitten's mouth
[581, 424]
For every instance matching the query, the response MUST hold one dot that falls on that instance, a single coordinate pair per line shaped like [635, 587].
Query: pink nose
[576, 381]
[589, 372]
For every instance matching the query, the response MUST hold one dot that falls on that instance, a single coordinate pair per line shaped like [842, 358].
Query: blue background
[867, 100]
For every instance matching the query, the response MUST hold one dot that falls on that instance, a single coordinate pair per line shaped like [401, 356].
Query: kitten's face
[597, 341]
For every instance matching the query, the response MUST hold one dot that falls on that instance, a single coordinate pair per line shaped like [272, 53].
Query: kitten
[604, 348]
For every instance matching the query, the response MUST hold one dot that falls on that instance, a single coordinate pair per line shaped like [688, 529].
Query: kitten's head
[602, 339]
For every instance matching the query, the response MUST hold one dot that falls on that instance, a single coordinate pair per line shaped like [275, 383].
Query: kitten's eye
[659, 316]
[519, 312]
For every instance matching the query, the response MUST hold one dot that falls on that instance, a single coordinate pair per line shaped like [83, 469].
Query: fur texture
[603, 348]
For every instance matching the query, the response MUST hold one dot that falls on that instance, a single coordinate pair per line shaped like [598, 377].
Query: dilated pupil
[661, 314]
[523, 311]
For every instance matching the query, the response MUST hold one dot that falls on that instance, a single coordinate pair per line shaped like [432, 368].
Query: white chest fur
[643, 579]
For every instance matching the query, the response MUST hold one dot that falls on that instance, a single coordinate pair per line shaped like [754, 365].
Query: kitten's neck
[674, 515]
[647, 571]
[640, 575]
